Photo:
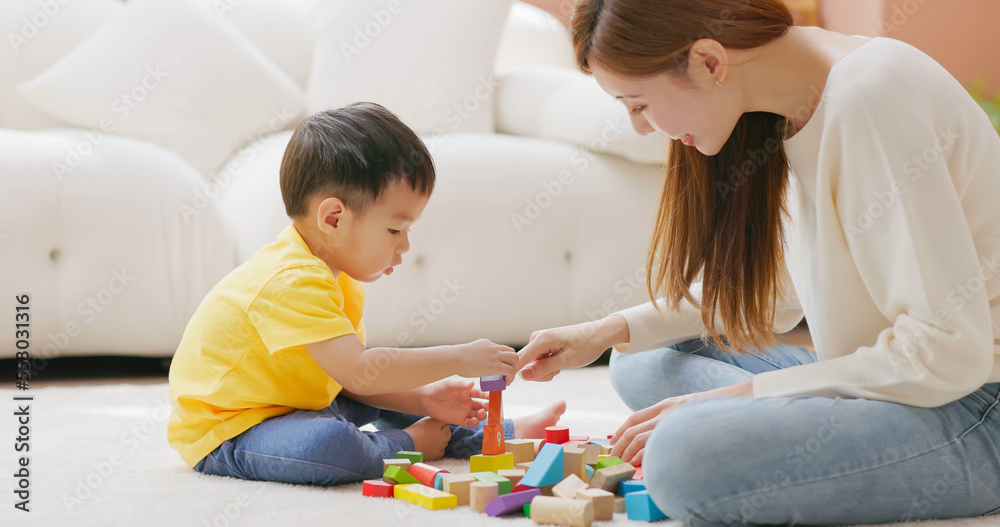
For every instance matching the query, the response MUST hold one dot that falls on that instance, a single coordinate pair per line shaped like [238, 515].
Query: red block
[493, 443]
[638, 473]
[580, 439]
[519, 488]
[556, 434]
[377, 488]
[425, 473]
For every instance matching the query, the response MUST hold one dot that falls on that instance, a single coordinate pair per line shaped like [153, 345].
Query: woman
[846, 178]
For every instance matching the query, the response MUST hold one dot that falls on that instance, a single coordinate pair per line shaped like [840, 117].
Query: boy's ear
[329, 215]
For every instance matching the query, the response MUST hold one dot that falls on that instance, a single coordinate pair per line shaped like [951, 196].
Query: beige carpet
[99, 457]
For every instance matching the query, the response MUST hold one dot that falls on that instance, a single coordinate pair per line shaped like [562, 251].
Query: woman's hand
[551, 350]
[454, 401]
[629, 442]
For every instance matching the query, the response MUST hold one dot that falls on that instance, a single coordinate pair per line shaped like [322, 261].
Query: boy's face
[369, 246]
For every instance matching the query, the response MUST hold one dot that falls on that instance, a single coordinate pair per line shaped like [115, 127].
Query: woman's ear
[708, 62]
[330, 215]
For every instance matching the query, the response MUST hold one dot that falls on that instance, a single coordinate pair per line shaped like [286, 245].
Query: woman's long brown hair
[719, 216]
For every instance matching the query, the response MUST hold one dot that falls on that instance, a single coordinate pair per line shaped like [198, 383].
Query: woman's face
[691, 110]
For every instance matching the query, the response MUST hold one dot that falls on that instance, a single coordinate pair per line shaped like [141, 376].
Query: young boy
[272, 379]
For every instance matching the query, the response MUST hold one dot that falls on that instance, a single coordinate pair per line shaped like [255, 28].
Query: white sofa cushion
[566, 105]
[533, 37]
[170, 72]
[428, 61]
[36, 33]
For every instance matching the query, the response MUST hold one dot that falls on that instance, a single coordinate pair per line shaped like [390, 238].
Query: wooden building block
[523, 450]
[607, 462]
[503, 484]
[509, 503]
[556, 434]
[414, 457]
[402, 463]
[493, 443]
[538, 444]
[640, 506]
[425, 496]
[424, 473]
[457, 484]
[483, 463]
[513, 474]
[580, 439]
[524, 466]
[606, 449]
[561, 511]
[591, 451]
[397, 475]
[604, 502]
[495, 409]
[608, 478]
[481, 493]
[619, 503]
[493, 383]
[377, 488]
[567, 488]
[573, 462]
[547, 468]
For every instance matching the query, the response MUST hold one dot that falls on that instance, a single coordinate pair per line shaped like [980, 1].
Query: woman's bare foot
[430, 436]
[533, 426]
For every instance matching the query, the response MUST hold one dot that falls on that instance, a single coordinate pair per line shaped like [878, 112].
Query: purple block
[493, 383]
[509, 503]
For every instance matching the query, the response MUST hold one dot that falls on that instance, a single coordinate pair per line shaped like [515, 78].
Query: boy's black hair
[352, 153]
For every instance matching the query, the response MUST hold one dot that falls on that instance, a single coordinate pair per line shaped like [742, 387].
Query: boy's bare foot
[430, 436]
[533, 426]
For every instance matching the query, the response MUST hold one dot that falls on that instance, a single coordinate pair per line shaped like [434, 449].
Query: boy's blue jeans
[805, 460]
[326, 447]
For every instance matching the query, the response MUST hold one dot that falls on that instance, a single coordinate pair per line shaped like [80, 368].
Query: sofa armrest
[568, 106]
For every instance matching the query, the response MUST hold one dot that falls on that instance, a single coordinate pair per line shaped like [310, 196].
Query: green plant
[991, 107]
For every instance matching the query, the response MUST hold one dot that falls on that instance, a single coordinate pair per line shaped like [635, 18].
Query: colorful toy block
[520, 488]
[580, 439]
[590, 472]
[600, 441]
[630, 485]
[481, 493]
[527, 510]
[573, 462]
[493, 443]
[402, 463]
[495, 408]
[562, 511]
[482, 463]
[512, 474]
[439, 480]
[377, 488]
[547, 469]
[608, 478]
[397, 475]
[556, 434]
[509, 503]
[607, 462]
[567, 488]
[604, 502]
[493, 383]
[640, 507]
[426, 497]
[457, 484]
[414, 457]
[638, 473]
[503, 484]
[424, 473]
[523, 450]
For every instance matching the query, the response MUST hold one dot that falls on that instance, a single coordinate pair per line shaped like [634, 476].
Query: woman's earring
[719, 84]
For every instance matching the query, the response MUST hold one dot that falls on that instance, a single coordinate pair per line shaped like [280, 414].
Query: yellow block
[480, 463]
[424, 496]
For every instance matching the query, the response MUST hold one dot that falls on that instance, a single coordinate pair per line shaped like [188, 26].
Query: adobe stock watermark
[370, 30]
[899, 16]
[33, 24]
[914, 168]
[208, 191]
[121, 107]
[460, 111]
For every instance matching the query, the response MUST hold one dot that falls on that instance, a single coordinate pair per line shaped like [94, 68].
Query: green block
[398, 476]
[606, 462]
[503, 484]
[414, 457]
[527, 510]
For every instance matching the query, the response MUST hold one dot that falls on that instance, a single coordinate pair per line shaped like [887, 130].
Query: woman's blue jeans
[326, 447]
[805, 460]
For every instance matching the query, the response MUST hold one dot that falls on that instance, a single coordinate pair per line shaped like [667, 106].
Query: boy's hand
[482, 357]
[454, 401]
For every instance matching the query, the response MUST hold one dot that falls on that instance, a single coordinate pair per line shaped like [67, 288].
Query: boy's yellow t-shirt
[242, 358]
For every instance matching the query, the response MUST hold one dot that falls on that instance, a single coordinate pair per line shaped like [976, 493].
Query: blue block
[493, 383]
[640, 507]
[631, 485]
[547, 468]
[600, 440]
[590, 471]
[439, 480]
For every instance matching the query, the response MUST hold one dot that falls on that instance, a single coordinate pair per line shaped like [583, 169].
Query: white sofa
[540, 216]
